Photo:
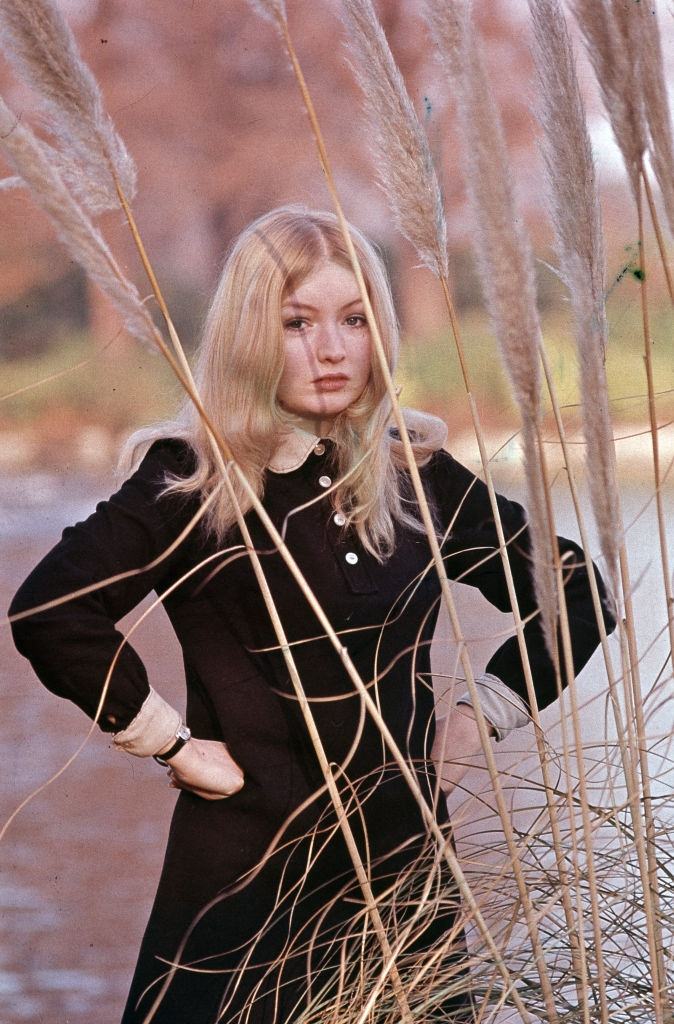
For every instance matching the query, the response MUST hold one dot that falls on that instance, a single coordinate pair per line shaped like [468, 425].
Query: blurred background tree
[204, 97]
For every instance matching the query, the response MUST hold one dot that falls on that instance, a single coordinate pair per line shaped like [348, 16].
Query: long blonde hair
[239, 365]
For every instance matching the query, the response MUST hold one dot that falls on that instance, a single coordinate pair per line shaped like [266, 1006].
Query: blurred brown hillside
[204, 97]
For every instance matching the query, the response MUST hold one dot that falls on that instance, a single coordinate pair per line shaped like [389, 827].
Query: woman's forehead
[327, 280]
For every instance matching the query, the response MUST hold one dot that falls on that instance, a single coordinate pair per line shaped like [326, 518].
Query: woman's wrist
[154, 728]
[168, 753]
[468, 711]
[502, 707]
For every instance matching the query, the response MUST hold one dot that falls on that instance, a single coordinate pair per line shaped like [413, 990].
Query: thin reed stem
[655, 220]
[653, 420]
[647, 850]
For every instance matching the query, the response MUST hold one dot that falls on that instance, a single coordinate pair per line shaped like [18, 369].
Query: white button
[319, 449]
[324, 481]
[351, 557]
[339, 518]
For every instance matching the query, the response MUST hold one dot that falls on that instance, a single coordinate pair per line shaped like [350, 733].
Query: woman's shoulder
[427, 434]
[160, 460]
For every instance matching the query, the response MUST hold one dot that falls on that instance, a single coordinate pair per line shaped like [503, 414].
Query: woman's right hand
[204, 767]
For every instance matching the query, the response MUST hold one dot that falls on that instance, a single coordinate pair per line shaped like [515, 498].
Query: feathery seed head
[576, 217]
[404, 163]
[32, 161]
[604, 25]
[504, 261]
[644, 37]
[272, 10]
[447, 26]
[41, 47]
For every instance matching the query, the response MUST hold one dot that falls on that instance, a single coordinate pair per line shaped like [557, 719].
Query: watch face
[183, 733]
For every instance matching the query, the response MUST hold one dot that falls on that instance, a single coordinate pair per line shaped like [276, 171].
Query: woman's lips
[331, 383]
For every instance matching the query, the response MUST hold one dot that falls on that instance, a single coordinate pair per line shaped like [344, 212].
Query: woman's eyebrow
[291, 304]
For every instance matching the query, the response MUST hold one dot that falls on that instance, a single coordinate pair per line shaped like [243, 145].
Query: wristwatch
[183, 734]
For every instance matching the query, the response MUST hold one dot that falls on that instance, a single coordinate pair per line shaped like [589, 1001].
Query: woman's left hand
[205, 768]
[456, 743]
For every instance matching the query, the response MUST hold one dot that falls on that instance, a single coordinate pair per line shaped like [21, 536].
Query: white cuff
[152, 730]
[502, 707]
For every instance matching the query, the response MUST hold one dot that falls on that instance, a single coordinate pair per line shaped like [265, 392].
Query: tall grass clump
[622, 41]
[576, 219]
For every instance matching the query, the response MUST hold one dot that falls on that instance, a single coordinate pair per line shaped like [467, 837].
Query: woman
[260, 915]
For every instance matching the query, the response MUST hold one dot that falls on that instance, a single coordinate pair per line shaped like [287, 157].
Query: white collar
[293, 450]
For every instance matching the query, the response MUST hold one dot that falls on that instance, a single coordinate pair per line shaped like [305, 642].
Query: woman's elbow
[26, 624]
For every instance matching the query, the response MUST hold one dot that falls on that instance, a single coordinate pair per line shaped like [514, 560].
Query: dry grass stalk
[387, 105]
[391, 118]
[577, 222]
[645, 35]
[391, 80]
[90, 154]
[403, 159]
[504, 260]
[576, 218]
[27, 155]
[493, 207]
[603, 25]
[372, 86]
[617, 54]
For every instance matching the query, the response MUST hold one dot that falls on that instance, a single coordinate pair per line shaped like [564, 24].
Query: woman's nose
[331, 343]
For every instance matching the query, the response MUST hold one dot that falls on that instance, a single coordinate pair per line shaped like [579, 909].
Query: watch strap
[182, 736]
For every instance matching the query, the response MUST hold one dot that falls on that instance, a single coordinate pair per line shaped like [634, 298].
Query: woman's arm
[471, 555]
[71, 646]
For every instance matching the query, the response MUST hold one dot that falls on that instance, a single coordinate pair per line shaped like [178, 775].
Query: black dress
[258, 903]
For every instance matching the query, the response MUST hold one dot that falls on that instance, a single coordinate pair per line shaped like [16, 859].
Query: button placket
[352, 561]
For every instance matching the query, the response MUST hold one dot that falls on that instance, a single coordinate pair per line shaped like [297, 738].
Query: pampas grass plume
[645, 36]
[90, 154]
[272, 10]
[403, 160]
[6, 184]
[604, 27]
[576, 218]
[32, 161]
[504, 260]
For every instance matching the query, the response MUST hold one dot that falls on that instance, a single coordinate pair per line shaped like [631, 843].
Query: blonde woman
[259, 916]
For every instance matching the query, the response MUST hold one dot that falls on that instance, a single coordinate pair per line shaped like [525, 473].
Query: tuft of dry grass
[504, 261]
[403, 159]
[31, 160]
[604, 25]
[88, 152]
[576, 218]
[646, 48]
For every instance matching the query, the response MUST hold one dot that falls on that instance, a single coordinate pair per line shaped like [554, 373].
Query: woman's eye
[296, 324]
[356, 320]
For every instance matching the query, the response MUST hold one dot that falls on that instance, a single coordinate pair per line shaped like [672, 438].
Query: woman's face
[327, 347]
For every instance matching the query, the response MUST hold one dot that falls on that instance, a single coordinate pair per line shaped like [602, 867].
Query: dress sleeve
[71, 646]
[471, 556]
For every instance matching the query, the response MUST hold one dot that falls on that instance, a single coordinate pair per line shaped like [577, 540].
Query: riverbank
[64, 445]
